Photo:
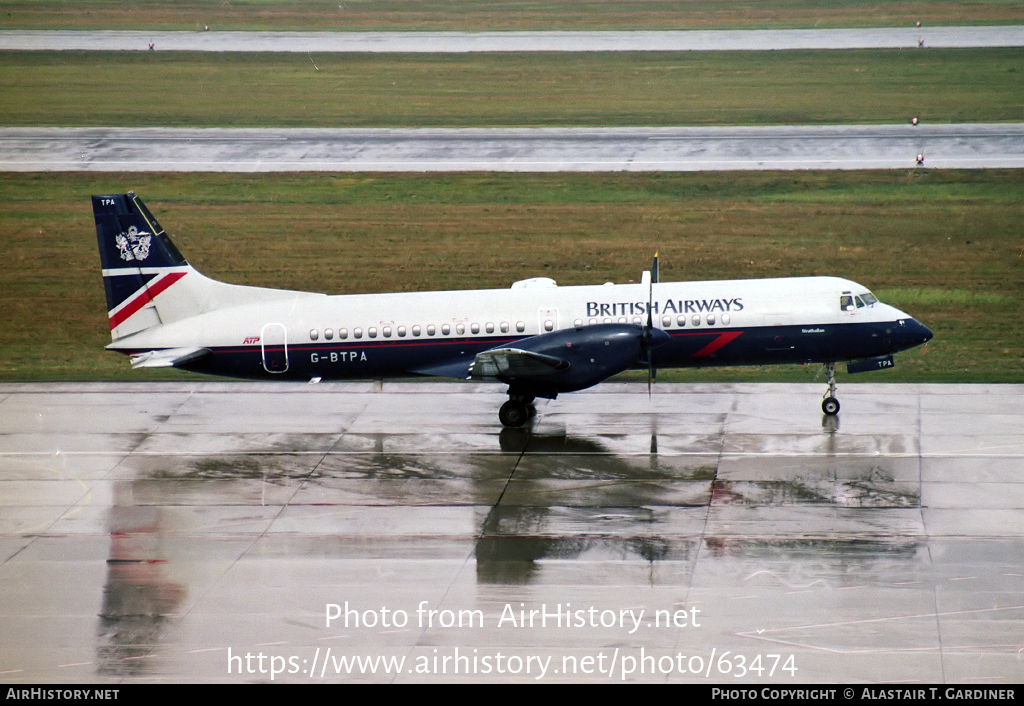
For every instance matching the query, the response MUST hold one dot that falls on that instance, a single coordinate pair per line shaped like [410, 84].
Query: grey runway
[162, 532]
[963, 146]
[461, 42]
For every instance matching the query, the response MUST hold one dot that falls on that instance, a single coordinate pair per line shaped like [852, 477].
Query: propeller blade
[650, 290]
[650, 324]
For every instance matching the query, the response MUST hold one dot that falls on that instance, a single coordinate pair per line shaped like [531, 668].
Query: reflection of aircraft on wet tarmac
[571, 497]
[536, 337]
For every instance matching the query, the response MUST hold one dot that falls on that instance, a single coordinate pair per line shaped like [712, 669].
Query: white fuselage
[528, 309]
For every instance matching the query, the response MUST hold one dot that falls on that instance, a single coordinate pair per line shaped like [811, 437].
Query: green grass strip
[558, 89]
[352, 15]
[934, 296]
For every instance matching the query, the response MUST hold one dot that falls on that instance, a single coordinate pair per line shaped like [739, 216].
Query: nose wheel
[830, 405]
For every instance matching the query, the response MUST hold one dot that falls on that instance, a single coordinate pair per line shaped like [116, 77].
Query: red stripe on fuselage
[143, 297]
[721, 339]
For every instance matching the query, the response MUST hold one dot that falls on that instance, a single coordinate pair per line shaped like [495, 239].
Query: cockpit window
[869, 298]
[846, 302]
[860, 302]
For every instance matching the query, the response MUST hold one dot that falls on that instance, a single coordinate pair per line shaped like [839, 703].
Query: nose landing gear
[830, 405]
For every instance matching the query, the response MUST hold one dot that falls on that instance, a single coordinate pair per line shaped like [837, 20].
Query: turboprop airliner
[536, 337]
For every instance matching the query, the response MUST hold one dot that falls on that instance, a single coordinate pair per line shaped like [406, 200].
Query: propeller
[647, 335]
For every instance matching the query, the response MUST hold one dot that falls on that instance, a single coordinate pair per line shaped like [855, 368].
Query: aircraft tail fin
[130, 236]
[148, 281]
[139, 262]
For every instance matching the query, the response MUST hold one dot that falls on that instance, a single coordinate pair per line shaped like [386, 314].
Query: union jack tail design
[139, 262]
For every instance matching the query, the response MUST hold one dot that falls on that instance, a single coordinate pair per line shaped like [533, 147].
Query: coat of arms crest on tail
[133, 244]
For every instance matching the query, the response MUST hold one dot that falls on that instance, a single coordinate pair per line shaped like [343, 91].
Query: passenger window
[577, 323]
[681, 321]
[622, 319]
[726, 318]
[431, 330]
[711, 319]
[416, 330]
[490, 327]
[474, 328]
[666, 321]
[520, 326]
[314, 334]
[343, 333]
[460, 329]
[372, 332]
[549, 325]
[637, 320]
[387, 332]
[504, 327]
[358, 333]
[401, 330]
[695, 320]
[445, 329]
[328, 334]
[593, 322]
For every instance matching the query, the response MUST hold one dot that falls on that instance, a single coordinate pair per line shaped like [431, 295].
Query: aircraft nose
[915, 333]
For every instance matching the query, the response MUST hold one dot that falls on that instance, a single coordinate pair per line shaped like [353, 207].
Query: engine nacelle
[594, 353]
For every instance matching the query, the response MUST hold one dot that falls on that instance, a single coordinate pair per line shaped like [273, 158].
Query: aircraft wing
[506, 363]
[167, 358]
[559, 361]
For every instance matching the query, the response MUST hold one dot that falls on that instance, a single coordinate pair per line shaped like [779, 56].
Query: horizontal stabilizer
[168, 358]
[509, 363]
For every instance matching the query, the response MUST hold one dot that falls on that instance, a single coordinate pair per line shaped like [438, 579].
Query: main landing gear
[830, 405]
[517, 410]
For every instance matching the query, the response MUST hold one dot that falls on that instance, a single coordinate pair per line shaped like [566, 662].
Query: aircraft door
[274, 342]
[547, 320]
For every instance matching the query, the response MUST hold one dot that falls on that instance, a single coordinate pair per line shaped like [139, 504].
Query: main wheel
[830, 406]
[513, 414]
